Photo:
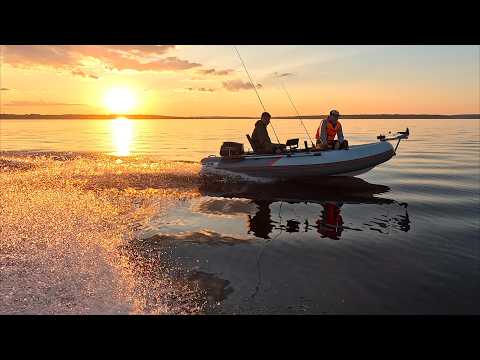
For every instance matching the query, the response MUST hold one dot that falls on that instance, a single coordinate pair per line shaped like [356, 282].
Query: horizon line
[5, 115]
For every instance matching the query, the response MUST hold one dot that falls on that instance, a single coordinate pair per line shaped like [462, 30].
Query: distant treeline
[138, 116]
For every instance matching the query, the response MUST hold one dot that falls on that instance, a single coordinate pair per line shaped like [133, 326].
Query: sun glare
[119, 100]
[122, 136]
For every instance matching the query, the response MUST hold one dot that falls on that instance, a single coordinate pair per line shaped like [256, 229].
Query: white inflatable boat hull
[354, 161]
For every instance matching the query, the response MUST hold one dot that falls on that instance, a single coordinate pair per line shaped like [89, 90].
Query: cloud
[39, 103]
[215, 72]
[279, 75]
[236, 85]
[4, 89]
[85, 74]
[131, 59]
[200, 89]
[145, 49]
[78, 60]
[38, 55]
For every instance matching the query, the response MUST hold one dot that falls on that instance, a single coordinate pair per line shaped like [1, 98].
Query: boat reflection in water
[273, 247]
[332, 195]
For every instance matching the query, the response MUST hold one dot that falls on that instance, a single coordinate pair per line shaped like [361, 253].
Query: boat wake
[69, 226]
[215, 175]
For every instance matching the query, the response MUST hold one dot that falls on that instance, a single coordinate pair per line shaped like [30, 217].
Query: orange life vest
[333, 217]
[332, 130]
[331, 223]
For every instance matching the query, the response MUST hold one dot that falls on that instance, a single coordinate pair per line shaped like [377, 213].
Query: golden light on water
[119, 100]
[65, 249]
[122, 136]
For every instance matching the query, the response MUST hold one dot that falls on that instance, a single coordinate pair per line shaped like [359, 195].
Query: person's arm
[267, 137]
[340, 134]
[267, 142]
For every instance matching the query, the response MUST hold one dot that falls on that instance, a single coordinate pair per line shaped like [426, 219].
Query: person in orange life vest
[331, 223]
[326, 132]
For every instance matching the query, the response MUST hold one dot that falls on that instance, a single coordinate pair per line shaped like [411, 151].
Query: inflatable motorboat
[305, 163]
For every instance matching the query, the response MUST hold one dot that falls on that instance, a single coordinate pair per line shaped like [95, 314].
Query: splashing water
[68, 242]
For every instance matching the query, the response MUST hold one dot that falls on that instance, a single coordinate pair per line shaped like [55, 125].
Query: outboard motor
[229, 148]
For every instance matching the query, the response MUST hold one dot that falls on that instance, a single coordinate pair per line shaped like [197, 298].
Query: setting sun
[119, 100]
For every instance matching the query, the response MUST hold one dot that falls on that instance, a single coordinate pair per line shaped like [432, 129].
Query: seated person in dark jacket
[260, 139]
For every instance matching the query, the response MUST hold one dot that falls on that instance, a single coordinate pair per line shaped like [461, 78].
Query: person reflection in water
[261, 224]
[330, 223]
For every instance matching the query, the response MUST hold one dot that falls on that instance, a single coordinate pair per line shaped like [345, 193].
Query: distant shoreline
[139, 116]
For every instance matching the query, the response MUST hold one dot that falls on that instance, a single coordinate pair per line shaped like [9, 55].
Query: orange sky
[209, 80]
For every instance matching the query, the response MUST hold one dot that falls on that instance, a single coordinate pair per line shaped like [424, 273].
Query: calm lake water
[401, 239]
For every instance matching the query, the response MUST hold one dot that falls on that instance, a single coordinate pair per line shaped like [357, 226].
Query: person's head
[334, 115]
[266, 118]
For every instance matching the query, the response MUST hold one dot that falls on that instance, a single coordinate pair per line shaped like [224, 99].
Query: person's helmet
[266, 115]
[334, 113]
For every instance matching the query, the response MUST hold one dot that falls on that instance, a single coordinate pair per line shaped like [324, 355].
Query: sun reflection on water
[122, 136]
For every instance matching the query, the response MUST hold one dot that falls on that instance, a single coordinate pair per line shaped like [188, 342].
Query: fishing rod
[295, 108]
[254, 88]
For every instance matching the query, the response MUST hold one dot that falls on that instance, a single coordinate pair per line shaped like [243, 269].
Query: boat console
[292, 144]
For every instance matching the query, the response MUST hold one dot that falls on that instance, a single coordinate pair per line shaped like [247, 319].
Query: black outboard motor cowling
[229, 148]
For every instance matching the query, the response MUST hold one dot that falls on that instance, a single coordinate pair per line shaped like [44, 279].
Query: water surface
[401, 239]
